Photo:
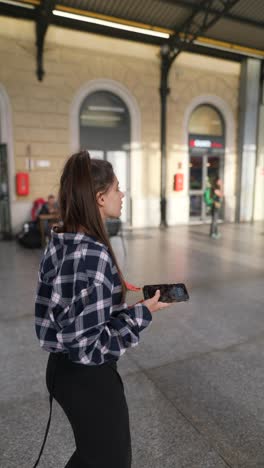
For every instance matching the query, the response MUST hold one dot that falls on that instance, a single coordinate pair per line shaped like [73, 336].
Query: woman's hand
[153, 303]
[218, 193]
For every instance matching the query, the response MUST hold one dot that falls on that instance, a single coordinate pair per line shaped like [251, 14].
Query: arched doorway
[104, 125]
[206, 155]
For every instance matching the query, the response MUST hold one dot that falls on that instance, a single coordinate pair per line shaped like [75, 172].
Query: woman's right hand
[153, 304]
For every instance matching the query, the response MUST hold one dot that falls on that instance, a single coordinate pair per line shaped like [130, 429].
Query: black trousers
[94, 402]
[214, 222]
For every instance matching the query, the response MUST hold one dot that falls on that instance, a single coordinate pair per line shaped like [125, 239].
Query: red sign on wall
[196, 143]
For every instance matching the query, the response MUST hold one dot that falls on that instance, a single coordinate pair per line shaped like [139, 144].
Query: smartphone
[168, 292]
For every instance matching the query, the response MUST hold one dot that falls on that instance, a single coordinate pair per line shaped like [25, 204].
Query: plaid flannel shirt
[78, 307]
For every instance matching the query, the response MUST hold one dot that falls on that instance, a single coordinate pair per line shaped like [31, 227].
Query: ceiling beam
[196, 25]
[102, 30]
[229, 50]
[188, 4]
[43, 18]
[230, 16]
[16, 11]
[155, 41]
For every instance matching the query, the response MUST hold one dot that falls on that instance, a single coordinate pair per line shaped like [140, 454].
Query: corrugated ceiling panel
[241, 34]
[252, 9]
[153, 12]
[169, 15]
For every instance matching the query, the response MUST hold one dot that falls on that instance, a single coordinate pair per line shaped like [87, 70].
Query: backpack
[29, 236]
[208, 200]
[37, 205]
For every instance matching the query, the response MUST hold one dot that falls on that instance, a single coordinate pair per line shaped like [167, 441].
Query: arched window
[206, 120]
[206, 152]
[104, 123]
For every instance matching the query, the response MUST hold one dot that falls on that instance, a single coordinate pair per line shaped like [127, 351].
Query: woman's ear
[100, 199]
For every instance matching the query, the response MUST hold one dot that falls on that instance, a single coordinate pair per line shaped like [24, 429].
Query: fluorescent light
[110, 24]
[102, 118]
[106, 109]
[19, 4]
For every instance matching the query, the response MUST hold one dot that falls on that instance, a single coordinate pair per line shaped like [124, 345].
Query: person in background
[50, 207]
[217, 198]
[82, 319]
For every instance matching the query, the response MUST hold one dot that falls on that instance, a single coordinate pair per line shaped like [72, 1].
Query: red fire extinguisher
[22, 183]
[178, 182]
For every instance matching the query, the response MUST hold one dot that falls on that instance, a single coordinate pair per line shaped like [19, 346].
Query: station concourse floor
[195, 383]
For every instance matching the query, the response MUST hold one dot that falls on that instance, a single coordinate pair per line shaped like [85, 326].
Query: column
[249, 98]
[259, 187]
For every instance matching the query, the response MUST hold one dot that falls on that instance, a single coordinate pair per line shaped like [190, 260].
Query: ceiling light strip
[19, 4]
[113, 19]
[110, 24]
[202, 41]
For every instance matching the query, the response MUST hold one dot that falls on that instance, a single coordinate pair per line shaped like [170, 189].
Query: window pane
[103, 109]
[104, 122]
[196, 172]
[213, 168]
[205, 120]
[195, 205]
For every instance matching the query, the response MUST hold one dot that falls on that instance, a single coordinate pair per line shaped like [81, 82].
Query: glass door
[204, 169]
[206, 151]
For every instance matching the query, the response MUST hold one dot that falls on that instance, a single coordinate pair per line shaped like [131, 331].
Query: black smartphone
[168, 292]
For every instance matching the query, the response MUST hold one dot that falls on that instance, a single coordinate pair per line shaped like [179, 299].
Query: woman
[82, 319]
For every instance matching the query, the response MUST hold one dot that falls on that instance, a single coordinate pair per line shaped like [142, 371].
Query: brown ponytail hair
[82, 178]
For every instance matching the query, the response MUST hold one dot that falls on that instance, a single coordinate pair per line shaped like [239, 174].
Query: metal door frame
[204, 217]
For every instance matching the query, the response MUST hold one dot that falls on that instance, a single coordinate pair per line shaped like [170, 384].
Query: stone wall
[41, 111]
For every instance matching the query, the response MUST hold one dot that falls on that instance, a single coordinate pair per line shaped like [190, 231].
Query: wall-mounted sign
[205, 144]
[43, 163]
[198, 143]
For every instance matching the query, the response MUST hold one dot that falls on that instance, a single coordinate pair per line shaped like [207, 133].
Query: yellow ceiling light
[111, 24]
[19, 4]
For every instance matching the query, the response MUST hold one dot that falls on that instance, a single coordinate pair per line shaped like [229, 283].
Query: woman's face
[110, 202]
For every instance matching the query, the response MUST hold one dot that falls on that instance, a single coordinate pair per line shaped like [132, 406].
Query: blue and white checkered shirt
[78, 307]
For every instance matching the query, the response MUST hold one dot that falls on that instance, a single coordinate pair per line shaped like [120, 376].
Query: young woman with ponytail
[82, 319]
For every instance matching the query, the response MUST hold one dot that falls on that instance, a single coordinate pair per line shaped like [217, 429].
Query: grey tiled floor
[194, 385]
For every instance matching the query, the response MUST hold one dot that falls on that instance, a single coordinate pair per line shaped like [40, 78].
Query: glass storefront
[206, 156]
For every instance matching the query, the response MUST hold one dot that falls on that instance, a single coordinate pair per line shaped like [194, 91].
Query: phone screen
[168, 292]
